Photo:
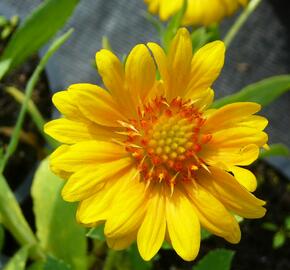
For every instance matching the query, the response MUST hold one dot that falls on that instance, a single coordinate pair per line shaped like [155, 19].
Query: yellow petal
[153, 5]
[228, 115]
[55, 154]
[161, 61]
[203, 99]
[231, 156]
[206, 66]
[87, 153]
[121, 242]
[128, 211]
[70, 132]
[213, 215]
[152, 231]
[234, 196]
[245, 177]
[254, 121]
[86, 181]
[183, 226]
[64, 102]
[238, 137]
[96, 104]
[111, 70]
[97, 208]
[179, 62]
[140, 73]
[168, 8]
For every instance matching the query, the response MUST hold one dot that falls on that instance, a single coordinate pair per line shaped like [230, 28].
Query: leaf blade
[57, 223]
[37, 30]
[18, 261]
[263, 92]
[219, 259]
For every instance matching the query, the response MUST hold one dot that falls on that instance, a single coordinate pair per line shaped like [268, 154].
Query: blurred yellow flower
[198, 12]
[149, 158]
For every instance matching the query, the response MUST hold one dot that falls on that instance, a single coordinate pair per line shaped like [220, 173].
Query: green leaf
[205, 234]
[279, 239]
[2, 237]
[219, 259]
[278, 149]
[50, 263]
[57, 230]
[12, 217]
[136, 262]
[4, 66]
[38, 29]
[263, 92]
[55, 264]
[287, 223]
[270, 226]
[97, 233]
[198, 38]
[166, 246]
[18, 261]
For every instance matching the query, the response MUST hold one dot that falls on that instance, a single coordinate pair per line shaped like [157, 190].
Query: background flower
[204, 12]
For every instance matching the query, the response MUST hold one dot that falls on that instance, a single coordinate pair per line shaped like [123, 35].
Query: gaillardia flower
[150, 158]
[198, 12]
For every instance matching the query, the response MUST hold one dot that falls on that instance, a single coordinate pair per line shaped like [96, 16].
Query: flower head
[150, 158]
[203, 12]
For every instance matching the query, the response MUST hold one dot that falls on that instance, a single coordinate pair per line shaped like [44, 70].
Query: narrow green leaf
[12, 217]
[4, 66]
[263, 92]
[278, 149]
[2, 237]
[97, 233]
[28, 93]
[57, 230]
[270, 226]
[219, 259]
[279, 239]
[18, 261]
[34, 113]
[38, 29]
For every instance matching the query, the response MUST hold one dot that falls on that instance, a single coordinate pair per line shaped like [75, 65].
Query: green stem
[241, 21]
[111, 259]
[33, 112]
[28, 92]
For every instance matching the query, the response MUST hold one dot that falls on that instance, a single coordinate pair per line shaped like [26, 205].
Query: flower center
[166, 140]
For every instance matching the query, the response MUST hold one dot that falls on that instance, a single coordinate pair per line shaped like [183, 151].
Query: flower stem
[241, 21]
[35, 114]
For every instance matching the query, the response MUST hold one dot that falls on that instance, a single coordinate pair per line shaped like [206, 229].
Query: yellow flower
[203, 12]
[149, 158]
